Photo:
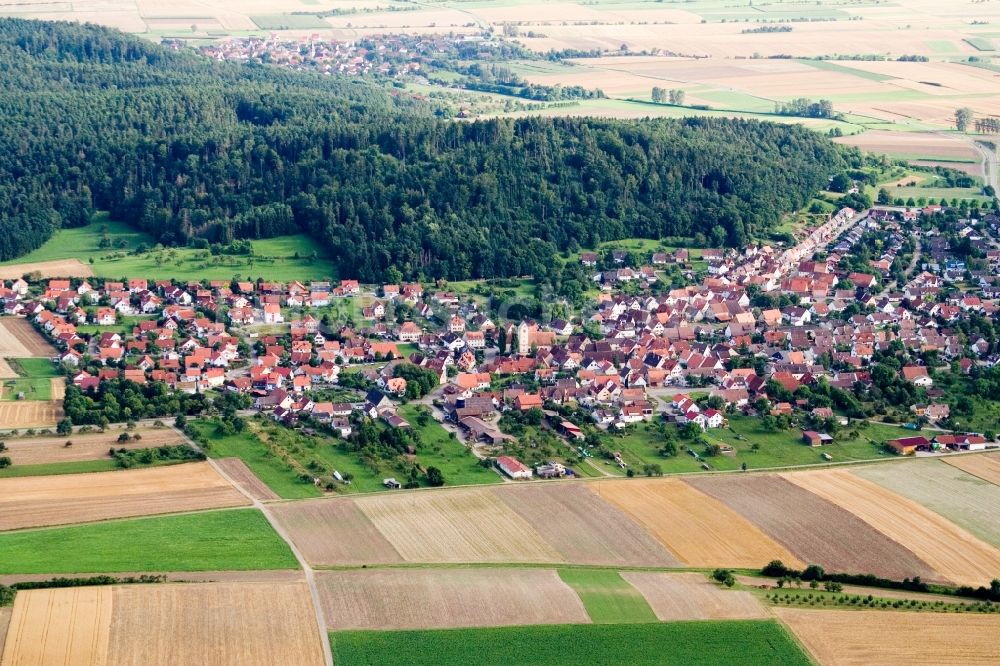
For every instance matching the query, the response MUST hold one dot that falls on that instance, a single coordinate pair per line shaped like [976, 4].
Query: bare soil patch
[75, 498]
[89, 446]
[815, 530]
[955, 554]
[242, 624]
[860, 638]
[30, 414]
[461, 525]
[334, 532]
[700, 530]
[446, 598]
[60, 268]
[68, 626]
[582, 528]
[691, 596]
[246, 479]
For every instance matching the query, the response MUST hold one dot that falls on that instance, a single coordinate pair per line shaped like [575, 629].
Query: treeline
[184, 148]
[119, 400]
[806, 108]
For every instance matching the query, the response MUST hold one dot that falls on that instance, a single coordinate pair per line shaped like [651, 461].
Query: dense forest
[184, 147]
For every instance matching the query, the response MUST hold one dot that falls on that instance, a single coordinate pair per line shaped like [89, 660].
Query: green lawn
[749, 642]
[34, 381]
[237, 540]
[776, 448]
[289, 22]
[438, 449]
[275, 473]
[75, 467]
[274, 258]
[124, 324]
[608, 598]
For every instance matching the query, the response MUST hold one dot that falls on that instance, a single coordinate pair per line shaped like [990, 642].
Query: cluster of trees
[503, 80]
[126, 458]
[806, 108]
[188, 148]
[672, 96]
[419, 381]
[120, 400]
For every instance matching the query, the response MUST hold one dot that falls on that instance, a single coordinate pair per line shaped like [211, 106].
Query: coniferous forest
[184, 147]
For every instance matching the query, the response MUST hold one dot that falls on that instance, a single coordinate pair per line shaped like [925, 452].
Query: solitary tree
[659, 94]
[677, 97]
[963, 117]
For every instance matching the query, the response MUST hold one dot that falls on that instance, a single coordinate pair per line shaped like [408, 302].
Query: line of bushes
[8, 592]
[126, 458]
[777, 569]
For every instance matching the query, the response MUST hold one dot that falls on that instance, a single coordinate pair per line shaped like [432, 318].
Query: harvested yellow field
[30, 414]
[223, 624]
[986, 467]
[691, 596]
[89, 446]
[446, 598]
[698, 529]
[19, 339]
[912, 144]
[66, 626]
[4, 623]
[954, 553]
[463, 525]
[35, 501]
[861, 638]
[60, 268]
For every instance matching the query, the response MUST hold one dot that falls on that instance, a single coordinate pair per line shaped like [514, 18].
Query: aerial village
[771, 333]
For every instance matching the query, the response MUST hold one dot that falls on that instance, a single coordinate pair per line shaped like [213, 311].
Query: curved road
[991, 165]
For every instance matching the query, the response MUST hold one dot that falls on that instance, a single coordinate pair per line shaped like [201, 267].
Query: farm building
[907, 446]
[513, 467]
[813, 438]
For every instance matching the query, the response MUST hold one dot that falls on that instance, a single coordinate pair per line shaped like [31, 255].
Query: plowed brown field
[700, 530]
[244, 477]
[334, 532]
[462, 525]
[443, 598]
[90, 446]
[19, 339]
[691, 596]
[954, 553]
[73, 498]
[862, 638]
[65, 626]
[582, 528]
[222, 624]
[815, 530]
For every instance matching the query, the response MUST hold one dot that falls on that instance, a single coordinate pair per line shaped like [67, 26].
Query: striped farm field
[446, 598]
[582, 528]
[955, 554]
[986, 467]
[252, 624]
[816, 531]
[698, 529]
[861, 638]
[962, 498]
[462, 525]
[90, 446]
[76, 498]
[691, 596]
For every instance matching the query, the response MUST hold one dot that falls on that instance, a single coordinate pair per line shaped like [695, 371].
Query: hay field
[962, 498]
[816, 531]
[244, 477]
[698, 529]
[30, 414]
[76, 498]
[582, 528]
[861, 638]
[220, 623]
[333, 532]
[61, 268]
[456, 526]
[238, 624]
[18, 339]
[89, 446]
[986, 467]
[955, 554]
[68, 626]
[913, 144]
[447, 598]
[691, 596]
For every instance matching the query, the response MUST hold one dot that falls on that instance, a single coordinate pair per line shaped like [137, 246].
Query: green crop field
[735, 643]
[34, 382]
[289, 22]
[283, 258]
[608, 598]
[76, 467]
[236, 540]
